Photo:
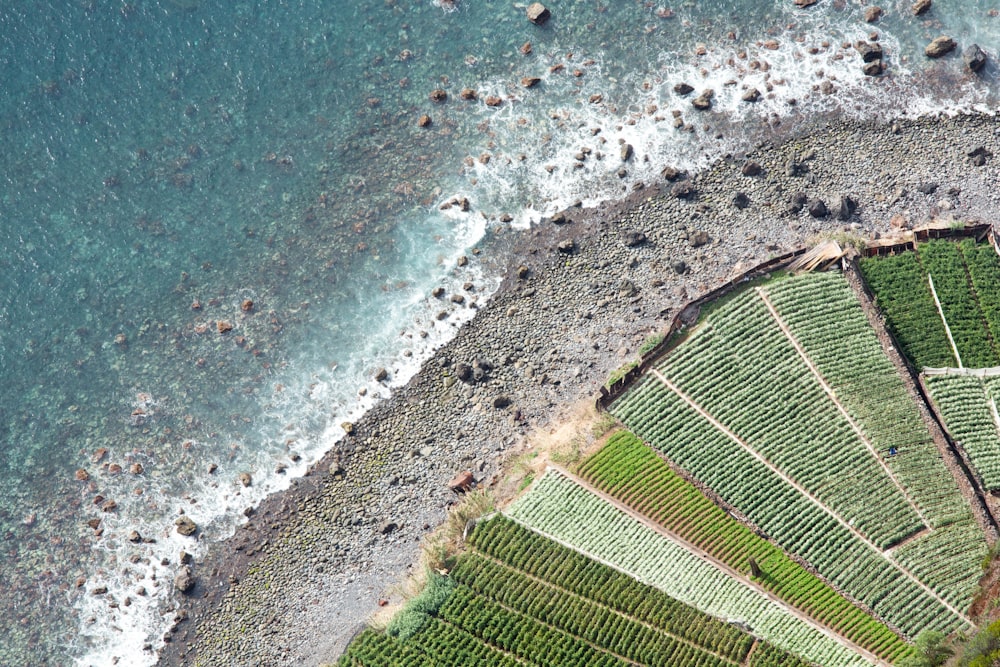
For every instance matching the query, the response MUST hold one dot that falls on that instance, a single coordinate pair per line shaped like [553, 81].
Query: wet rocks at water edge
[941, 46]
[974, 57]
[185, 526]
[921, 7]
[538, 13]
[704, 101]
[873, 14]
[683, 88]
[750, 95]
[184, 580]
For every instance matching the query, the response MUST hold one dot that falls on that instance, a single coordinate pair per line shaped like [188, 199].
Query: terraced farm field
[968, 405]
[783, 403]
[965, 330]
[559, 507]
[518, 598]
[632, 473]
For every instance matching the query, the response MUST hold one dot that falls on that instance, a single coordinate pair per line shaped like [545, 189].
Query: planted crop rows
[559, 507]
[966, 277]
[630, 471]
[810, 527]
[963, 403]
[902, 293]
[518, 598]
[944, 262]
[744, 372]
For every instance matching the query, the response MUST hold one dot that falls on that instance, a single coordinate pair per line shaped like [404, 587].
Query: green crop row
[944, 262]
[983, 265]
[560, 507]
[568, 570]
[902, 293]
[630, 471]
[598, 625]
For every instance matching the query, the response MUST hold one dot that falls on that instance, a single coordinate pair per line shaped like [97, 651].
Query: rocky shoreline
[579, 298]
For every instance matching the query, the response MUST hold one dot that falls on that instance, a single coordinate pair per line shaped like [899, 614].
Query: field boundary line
[947, 329]
[733, 573]
[836, 401]
[871, 545]
[549, 584]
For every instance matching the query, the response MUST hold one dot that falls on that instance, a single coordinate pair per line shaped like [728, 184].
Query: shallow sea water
[166, 162]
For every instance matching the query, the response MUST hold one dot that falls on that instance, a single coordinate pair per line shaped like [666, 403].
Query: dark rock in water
[567, 246]
[185, 526]
[974, 57]
[846, 207]
[827, 87]
[381, 375]
[463, 372]
[670, 173]
[869, 50]
[979, 155]
[99, 590]
[817, 208]
[634, 238]
[184, 580]
[185, 558]
[537, 13]
[797, 201]
[683, 190]
[704, 101]
[804, 3]
[468, 94]
[438, 95]
[627, 152]
[424, 121]
[927, 187]
[683, 88]
[493, 101]
[134, 537]
[501, 402]
[348, 427]
[873, 14]
[461, 482]
[921, 7]
[530, 81]
[941, 46]
[680, 267]
[741, 200]
[245, 479]
[751, 95]
[698, 238]
[751, 168]
[872, 68]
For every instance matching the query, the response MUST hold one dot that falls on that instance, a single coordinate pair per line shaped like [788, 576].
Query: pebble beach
[578, 299]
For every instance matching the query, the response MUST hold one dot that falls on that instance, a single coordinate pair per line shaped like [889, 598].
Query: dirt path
[871, 545]
[836, 401]
[720, 565]
[947, 329]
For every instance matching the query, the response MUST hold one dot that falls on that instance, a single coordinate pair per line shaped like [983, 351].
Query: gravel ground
[295, 584]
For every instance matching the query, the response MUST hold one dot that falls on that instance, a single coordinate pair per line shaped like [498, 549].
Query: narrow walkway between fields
[813, 499]
[836, 401]
[947, 329]
[719, 565]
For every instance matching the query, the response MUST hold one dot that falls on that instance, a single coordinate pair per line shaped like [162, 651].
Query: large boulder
[921, 7]
[941, 46]
[537, 13]
[869, 50]
[974, 57]
[185, 526]
[184, 580]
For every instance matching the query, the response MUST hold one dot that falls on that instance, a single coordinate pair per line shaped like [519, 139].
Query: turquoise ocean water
[218, 219]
